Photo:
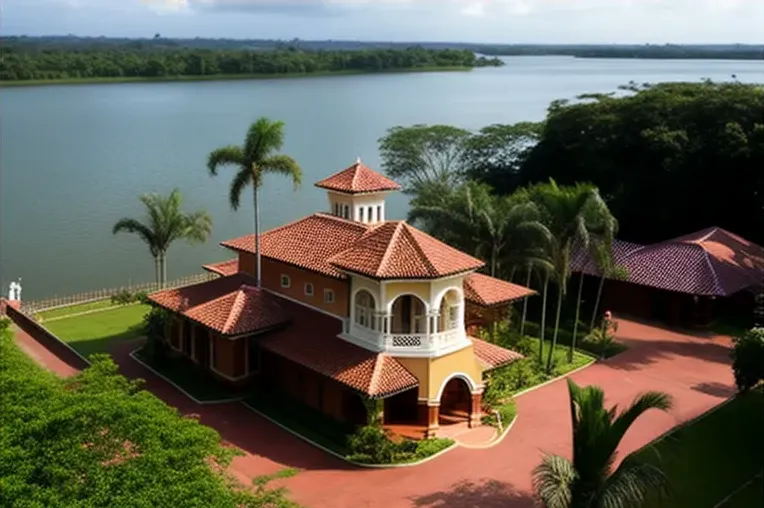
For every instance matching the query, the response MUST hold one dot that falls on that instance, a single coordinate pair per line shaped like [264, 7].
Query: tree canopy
[669, 159]
[22, 62]
[98, 440]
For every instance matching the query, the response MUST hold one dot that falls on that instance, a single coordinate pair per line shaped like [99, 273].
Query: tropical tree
[165, 222]
[748, 359]
[424, 153]
[608, 271]
[252, 161]
[504, 231]
[573, 215]
[589, 481]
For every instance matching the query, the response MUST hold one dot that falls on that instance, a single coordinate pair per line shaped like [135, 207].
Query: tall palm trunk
[525, 302]
[556, 330]
[494, 260]
[575, 323]
[158, 270]
[256, 192]
[164, 269]
[543, 318]
[597, 303]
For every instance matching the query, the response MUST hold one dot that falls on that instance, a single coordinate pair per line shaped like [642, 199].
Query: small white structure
[14, 291]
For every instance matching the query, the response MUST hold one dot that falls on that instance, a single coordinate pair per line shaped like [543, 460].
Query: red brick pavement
[694, 370]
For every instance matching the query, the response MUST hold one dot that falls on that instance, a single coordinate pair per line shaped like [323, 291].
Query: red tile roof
[711, 262]
[229, 305]
[223, 268]
[358, 179]
[311, 341]
[581, 261]
[492, 356]
[395, 250]
[307, 243]
[488, 291]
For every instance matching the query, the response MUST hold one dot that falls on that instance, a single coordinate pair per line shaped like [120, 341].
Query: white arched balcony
[408, 325]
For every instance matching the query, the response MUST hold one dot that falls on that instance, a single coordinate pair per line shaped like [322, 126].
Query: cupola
[358, 193]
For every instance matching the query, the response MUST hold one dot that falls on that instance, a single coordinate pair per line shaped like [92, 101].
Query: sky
[497, 21]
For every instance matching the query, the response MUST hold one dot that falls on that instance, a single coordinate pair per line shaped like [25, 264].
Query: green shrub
[371, 444]
[748, 359]
[507, 413]
[154, 326]
[123, 297]
[142, 297]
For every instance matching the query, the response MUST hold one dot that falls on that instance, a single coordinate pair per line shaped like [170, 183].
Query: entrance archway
[456, 401]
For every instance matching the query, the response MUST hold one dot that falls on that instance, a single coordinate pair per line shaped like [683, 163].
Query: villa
[352, 307]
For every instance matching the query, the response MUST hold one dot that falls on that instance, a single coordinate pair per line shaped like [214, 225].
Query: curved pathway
[695, 370]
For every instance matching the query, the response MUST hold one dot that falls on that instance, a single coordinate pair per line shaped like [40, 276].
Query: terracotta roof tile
[488, 291]
[396, 250]
[312, 342]
[492, 356]
[710, 262]
[307, 243]
[223, 268]
[358, 179]
[229, 305]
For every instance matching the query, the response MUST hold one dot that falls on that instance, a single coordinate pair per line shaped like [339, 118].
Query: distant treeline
[24, 61]
[668, 51]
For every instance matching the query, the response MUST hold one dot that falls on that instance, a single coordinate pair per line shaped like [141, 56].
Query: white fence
[33, 307]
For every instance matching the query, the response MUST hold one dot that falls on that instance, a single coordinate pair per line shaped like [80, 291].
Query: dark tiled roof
[311, 341]
[711, 262]
[488, 291]
[581, 261]
[492, 356]
[229, 305]
[358, 179]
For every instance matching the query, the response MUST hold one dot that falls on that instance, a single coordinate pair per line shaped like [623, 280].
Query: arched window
[364, 309]
[409, 315]
[450, 305]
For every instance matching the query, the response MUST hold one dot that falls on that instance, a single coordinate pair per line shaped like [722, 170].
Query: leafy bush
[748, 359]
[507, 413]
[96, 439]
[142, 297]
[123, 297]
[372, 445]
[154, 324]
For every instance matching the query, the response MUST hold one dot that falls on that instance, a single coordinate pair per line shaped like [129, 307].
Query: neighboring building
[351, 306]
[685, 281]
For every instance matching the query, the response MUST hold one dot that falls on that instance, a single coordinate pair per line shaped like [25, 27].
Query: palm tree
[588, 481]
[164, 224]
[502, 230]
[607, 272]
[252, 160]
[572, 214]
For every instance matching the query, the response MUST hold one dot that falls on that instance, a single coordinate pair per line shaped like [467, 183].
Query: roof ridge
[418, 247]
[388, 249]
[236, 308]
[355, 168]
[715, 277]
[376, 372]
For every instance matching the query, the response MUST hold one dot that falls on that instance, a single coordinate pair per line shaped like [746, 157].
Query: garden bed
[565, 337]
[97, 332]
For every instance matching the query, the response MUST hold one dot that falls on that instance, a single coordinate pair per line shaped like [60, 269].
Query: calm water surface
[75, 158]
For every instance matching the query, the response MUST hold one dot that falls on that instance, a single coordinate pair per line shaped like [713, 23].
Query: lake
[75, 158]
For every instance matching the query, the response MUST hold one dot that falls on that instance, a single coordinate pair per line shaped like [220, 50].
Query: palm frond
[231, 155]
[641, 404]
[198, 226]
[239, 183]
[283, 165]
[127, 225]
[632, 484]
[553, 480]
[263, 137]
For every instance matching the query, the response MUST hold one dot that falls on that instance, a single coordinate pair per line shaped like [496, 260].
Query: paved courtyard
[695, 370]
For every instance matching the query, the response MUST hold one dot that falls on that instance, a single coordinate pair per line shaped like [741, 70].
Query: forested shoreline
[134, 61]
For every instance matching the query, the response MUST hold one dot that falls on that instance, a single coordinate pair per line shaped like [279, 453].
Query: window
[285, 281]
[364, 309]
[337, 209]
[347, 212]
[379, 213]
[308, 289]
[360, 214]
[328, 295]
[371, 212]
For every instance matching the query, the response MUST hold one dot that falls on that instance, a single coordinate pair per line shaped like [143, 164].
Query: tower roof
[358, 179]
[395, 250]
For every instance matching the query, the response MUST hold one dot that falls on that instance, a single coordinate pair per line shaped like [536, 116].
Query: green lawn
[565, 337]
[709, 459]
[75, 309]
[198, 382]
[97, 332]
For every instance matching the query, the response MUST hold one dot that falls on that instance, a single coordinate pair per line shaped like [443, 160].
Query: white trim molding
[474, 387]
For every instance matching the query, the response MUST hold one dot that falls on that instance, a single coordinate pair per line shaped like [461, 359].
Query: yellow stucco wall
[395, 289]
[433, 372]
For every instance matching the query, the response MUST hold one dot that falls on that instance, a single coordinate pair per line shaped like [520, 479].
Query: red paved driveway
[694, 370]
